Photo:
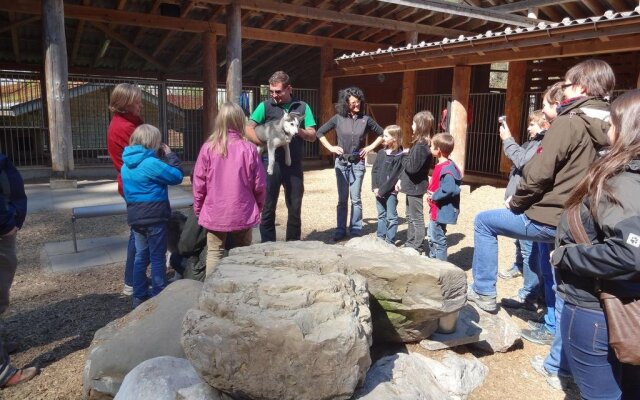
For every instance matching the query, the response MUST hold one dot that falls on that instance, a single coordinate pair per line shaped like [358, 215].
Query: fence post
[516, 79]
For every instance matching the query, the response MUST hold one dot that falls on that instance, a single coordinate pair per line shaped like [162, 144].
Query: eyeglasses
[277, 92]
[566, 85]
[354, 103]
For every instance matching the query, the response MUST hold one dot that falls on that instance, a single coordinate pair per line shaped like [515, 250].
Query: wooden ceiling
[162, 38]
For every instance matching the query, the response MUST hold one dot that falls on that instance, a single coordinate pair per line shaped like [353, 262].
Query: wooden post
[234, 52]
[514, 100]
[458, 113]
[57, 78]
[326, 93]
[210, 79]
[407, 109]
[407, 106]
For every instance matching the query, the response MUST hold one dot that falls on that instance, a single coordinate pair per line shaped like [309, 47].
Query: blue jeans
[151, 247]
[387, 217]
[131, 257]
[595, 368]
[437, 240]
[556, 362]
[549, 288]
[349, 178]
[525, 257]
[487, 226]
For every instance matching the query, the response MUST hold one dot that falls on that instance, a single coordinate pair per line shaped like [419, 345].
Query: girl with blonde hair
[229, 184]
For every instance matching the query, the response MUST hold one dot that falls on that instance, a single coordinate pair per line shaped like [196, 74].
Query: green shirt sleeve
[309, 121]
[258, 115]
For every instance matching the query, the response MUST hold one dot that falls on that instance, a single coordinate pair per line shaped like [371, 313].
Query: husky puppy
[278, 133]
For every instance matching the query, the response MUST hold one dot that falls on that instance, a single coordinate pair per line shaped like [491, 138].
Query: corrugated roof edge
[609, 15]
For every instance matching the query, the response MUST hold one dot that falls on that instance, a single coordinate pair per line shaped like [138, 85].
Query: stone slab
[60, 257]
[56, 184]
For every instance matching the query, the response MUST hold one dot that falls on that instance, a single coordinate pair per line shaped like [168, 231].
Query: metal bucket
[447, 323]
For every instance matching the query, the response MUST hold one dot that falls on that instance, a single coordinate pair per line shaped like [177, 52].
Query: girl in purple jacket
[229, 184]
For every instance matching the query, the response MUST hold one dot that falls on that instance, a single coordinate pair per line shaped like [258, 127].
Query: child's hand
[398, 186]
[375, 191]
[428, 196]
[166, 149]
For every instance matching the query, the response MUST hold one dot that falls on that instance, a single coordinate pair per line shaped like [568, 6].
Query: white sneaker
[127, 290]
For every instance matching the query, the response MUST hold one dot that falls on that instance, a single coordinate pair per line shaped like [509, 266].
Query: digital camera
[352, 158]
[502, 119]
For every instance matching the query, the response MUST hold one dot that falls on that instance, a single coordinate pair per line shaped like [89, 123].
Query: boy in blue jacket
[145, 178]
[443, 195]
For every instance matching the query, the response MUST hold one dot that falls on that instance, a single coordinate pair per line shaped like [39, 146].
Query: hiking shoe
[21, 375]
[486, 303]
[538, 336]
[518, 302]
[509, 274]
[127, 290]
[557, 381]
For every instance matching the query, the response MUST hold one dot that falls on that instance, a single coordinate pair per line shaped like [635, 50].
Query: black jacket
[386, 171]
[614, 255]
[13, 200]
[416, 164]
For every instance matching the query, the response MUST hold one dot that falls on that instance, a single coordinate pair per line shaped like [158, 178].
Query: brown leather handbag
[622, 314]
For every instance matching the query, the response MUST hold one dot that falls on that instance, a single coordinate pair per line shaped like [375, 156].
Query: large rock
[151, 330]
[279, 333]
[414, 376]
[164, 378]
[409, 293]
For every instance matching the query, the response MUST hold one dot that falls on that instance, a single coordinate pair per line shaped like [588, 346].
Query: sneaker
[509, 274]
[486, 303]
[127, 290]
[535, 325]
[176, 277]
[10, 347]
[355, 233]
[21, 375]
[518, 302]
[338, 236]
[557, 381]
[538, 336]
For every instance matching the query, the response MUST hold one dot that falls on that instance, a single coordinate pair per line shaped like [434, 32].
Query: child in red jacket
[443, 195]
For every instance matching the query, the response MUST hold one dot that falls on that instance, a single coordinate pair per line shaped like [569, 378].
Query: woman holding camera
[351, 126]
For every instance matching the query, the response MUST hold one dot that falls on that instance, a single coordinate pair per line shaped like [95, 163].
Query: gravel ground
[54, 317]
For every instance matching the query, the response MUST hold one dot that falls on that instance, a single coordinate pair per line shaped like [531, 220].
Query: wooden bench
[103, 210]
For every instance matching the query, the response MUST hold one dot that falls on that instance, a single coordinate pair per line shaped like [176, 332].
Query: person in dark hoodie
[443, 195]
[145, 178]
[384, 182]
[413, 180]
[13, 211]
[568, 149]
[607, 200]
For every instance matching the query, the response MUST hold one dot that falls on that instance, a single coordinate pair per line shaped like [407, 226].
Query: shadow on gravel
[56, 330]
[462, 258]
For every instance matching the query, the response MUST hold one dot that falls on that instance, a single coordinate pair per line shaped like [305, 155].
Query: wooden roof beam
[104, 15]
[341, 17]
[16, 24]
[467, 11]
[14, 38]
[119, 38]
[526, 4]
[183, 14]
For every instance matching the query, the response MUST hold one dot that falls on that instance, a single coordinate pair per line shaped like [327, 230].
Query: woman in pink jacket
[229, 184]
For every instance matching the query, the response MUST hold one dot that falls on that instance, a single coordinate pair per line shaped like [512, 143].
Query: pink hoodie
[229, 193]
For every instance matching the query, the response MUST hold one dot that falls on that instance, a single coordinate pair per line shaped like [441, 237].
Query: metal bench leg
[73, 231]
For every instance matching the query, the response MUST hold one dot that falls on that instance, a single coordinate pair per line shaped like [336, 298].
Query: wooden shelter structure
[395, 49]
